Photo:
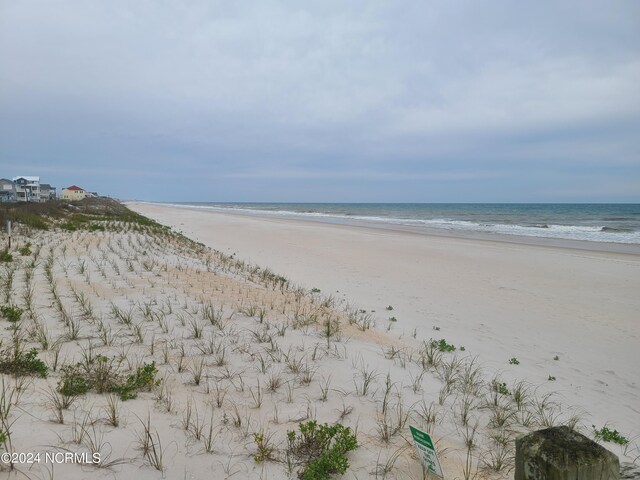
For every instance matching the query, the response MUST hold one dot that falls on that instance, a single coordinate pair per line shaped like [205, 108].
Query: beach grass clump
[101, 374]
[514, 361]
[150, 445]
[76, 221]
[319, 451]
[429, 355]
[500, 387]
[17, 362]
[607, 435]
[359, 318]
[32, 220]
[25, 250]
[264, 450]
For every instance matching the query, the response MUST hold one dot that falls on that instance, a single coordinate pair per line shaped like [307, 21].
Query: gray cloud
[329, 101]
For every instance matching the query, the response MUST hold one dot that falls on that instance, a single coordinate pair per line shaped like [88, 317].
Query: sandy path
[500, 300]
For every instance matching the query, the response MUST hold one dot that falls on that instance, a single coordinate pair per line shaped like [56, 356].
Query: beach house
[27, 188]
[73, 193]
[7, 190]
[47, 192]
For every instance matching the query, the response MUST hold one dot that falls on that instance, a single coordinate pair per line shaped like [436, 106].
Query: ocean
[616, 223]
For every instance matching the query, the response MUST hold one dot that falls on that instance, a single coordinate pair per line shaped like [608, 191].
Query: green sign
[426, 452]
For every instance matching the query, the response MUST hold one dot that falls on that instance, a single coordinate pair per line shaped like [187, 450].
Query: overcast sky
[419, 101]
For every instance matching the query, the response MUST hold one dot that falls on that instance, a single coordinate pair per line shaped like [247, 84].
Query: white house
[27, 189]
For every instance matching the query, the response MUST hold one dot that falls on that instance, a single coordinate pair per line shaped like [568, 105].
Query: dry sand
[240, 353]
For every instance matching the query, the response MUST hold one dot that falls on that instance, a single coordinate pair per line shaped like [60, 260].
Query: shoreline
[532, 240]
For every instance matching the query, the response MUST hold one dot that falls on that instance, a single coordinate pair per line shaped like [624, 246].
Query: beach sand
[244, 355]
[497, 298]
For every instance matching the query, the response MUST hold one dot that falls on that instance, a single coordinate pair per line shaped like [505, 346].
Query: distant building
[7, 190]
[27, 189]
[73, 193]
[47, 192]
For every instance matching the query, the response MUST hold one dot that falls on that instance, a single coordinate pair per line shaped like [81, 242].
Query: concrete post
[559, 453]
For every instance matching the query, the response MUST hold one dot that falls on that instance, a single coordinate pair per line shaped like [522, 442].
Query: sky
[324, 101]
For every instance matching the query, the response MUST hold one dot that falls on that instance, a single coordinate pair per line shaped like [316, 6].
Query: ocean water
[617, 223]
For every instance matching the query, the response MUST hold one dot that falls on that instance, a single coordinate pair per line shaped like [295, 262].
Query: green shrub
[73, 382]
[18, 363]
[12, 314]
[501, 388]
[443, 346]
[102, 376]
[607, 435]
[320, 450]
[5, 256]
[25, 250]
[143, 379]
[514, 361]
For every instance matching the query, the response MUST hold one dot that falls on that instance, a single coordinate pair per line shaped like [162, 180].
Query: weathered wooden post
[9, 231]
[559, 453]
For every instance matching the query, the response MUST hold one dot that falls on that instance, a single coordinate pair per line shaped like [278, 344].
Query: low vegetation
[17, 362]
[101, 375]
[607, 435]
[443, 346]
[11, 313]
[90, 214]
[319, 451]
[5, 256]
[25, 250]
